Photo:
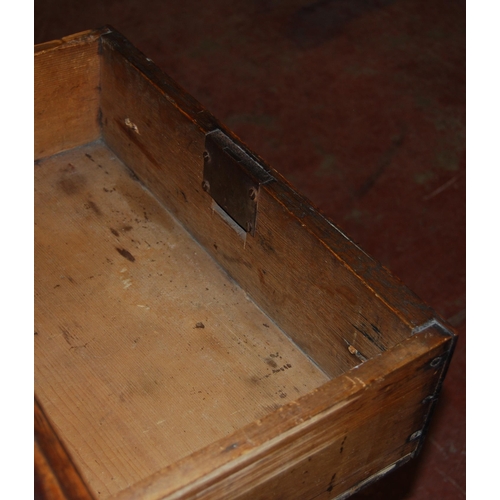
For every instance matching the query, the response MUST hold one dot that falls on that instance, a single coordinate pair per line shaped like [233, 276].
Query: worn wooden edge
[197, 475]
[58, 477]
[445, 363]
[384, 285]
[83, 37]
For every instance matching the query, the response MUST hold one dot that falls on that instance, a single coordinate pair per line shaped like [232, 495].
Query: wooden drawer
[201, 331]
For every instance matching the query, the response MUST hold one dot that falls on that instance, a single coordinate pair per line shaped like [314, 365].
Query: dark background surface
[361, 105]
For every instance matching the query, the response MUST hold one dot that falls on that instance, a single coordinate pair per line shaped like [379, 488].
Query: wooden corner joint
[74, 39]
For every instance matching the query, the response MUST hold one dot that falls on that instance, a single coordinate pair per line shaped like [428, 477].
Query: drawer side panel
[67, 94]
[298, 268]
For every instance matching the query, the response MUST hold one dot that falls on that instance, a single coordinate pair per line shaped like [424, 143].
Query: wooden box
[201, 331]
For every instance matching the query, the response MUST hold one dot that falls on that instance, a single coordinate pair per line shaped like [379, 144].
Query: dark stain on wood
[342, 444]
[126, 254]
[199, 325]
[330, 486]
[92, 206]
[369, 337]
[264, 243]
[132, 174]
[67, 336]
[373, 327]
[271, 362]
[261, 276]
[68, 169]
[114, 231]
[72, 183]
[235, 260]
[99, 111]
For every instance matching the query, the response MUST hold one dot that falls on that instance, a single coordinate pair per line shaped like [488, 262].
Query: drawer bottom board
[145, 350]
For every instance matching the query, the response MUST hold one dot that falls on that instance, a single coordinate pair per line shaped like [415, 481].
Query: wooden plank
[56, 477]
[334, 301]
[338, 436]
[145, 349]
[67, 93]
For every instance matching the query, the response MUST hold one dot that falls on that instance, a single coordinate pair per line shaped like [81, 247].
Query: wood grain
[67, 93]
[325, 443]
[145, 350]
[335, 302]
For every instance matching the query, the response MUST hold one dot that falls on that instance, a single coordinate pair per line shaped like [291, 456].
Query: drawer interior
[161, 327]
[145, 349]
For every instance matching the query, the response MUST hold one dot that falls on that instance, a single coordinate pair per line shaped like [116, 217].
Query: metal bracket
[233, 179]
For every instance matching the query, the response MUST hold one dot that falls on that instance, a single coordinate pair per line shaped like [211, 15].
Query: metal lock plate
[233, 179]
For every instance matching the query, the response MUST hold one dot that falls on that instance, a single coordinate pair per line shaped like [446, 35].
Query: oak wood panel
[326, 442]
[145, 349]
[67, 93]
[334, 301]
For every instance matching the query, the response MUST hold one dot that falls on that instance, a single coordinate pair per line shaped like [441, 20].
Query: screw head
[206, 186]
[436, 362]
[206, 156]
[415, 435]
[252, 192]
